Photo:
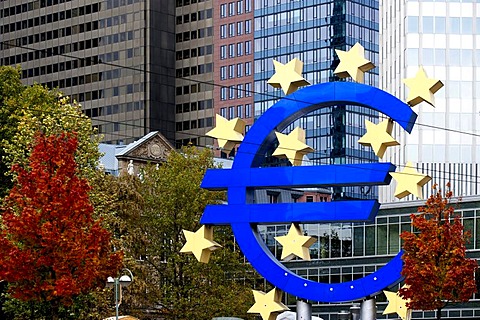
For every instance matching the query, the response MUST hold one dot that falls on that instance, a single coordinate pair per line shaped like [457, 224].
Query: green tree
[163, 203]
[436, 268]
[26, 110]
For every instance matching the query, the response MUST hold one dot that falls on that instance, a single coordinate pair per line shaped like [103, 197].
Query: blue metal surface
[246, 175]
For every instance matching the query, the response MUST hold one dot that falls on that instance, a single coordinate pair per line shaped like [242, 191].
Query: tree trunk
[439, 313]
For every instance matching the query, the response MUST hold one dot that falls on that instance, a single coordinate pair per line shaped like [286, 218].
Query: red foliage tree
[436, 268]
[51, 247]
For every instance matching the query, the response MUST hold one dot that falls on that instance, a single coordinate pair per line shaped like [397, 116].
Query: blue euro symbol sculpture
[246, 175]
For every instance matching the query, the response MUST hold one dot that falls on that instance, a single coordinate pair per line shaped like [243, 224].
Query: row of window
[191, 71]
[195, 16]
[56, 67]
[236, 91]
[114, 109]
[240, 111]
[54, 34]
[120, 126]
[194, 106]
[236, 50]
[180, 3]
[236, 71]
[193, 88]
[49, 18]
[194, 124]
[117, 3]
[194, 52]
[238, 26]
[452, 25]
[194, 34]
[185, 142]
[29, 7]
[239, 8]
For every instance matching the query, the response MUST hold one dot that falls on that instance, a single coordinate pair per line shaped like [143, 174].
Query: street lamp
[117, 284]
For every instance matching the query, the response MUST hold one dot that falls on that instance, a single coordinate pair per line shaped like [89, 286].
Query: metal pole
[304, 310]
[117, 282]
[368, 309]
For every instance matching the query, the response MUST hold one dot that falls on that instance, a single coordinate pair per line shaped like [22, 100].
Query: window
[248, 91]
[231, 71]
[248, 47]
[223, 112]
[248, 68]
[223, 10]
[231, 92]
[239, 28]
[231, 8]
[248, 5]
[231, 112]
[240, 91]
[239, 70]
[231, 29]
[239, 111]
[223, 52]
[240, 49]
[248, 110]
[248, 26]
[223, 73]
[309, 199]
[240, 7]
[223, 31]
[231, 50]
[223, 94]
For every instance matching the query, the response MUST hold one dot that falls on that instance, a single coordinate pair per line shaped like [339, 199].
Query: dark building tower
[115, 57]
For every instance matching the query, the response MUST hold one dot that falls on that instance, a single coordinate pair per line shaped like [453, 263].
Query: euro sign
[246, 175]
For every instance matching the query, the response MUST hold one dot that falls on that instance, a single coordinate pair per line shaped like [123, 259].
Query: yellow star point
[379, 136]
[292, 146]
[200, 243]
[398, 305]
[295, 244]
[421, 88]
[288, 76]
[409, 181]
[227, 132]
[353, 63]
[268, 305]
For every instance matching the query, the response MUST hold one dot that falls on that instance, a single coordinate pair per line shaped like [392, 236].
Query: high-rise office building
[115, 57]
[194, 71]
[311, 31]
[441, 36]
[233, 93]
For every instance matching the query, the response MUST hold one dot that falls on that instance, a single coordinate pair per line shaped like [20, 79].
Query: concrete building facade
[115, 57]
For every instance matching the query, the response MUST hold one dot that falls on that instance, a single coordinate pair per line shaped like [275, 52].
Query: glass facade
[311, 31]
[104, 54]
[349, 251]
[442, 36]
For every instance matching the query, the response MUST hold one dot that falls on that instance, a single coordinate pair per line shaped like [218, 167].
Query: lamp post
[117, 284]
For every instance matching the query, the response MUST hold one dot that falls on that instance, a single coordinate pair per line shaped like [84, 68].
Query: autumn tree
[436, 268]
[52, 250]
[160, 205]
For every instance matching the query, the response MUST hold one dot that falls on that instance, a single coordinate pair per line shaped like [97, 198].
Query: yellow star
[409, 181]
[398, 305]
[421, 88]
[288, 76]
[268, 305]
[295, 244]
[353, 63]
[292, 146]
[379, 136]
[227, 132]
[200, 243]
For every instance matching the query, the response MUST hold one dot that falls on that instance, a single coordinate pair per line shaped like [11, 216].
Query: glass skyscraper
[311, 31]
[443, 37]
